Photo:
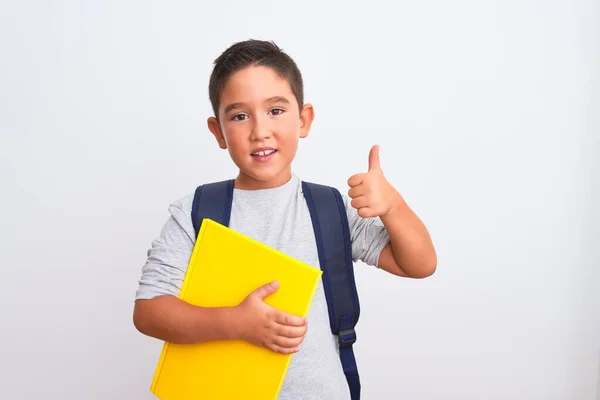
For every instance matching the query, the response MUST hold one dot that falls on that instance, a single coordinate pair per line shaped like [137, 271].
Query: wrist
[398, 205]
[216, 323]
[233, 326]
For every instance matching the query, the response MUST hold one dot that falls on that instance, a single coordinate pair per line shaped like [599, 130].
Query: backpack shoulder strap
[212, 201]
[332, 234]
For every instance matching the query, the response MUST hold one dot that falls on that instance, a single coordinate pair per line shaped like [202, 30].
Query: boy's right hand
[263, 325]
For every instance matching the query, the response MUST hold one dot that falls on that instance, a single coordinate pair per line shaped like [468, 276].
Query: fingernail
[274, 283]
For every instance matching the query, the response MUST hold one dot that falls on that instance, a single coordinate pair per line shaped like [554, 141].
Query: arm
[158, 311]
[172, 320]
[410, 252]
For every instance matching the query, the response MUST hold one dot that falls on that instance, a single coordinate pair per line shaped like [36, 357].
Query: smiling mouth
[263, 153]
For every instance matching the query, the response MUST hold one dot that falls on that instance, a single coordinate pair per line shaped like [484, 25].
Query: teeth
[263, 153]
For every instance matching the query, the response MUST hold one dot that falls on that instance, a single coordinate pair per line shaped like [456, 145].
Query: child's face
[260, 126]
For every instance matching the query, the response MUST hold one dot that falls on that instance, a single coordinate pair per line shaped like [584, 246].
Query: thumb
[374, 158]
[266, 289]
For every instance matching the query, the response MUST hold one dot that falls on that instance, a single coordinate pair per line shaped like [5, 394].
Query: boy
[259, 115]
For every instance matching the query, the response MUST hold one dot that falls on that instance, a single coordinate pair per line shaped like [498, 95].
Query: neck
[247, 182]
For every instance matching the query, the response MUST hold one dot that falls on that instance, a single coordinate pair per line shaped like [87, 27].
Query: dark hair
[253, 53]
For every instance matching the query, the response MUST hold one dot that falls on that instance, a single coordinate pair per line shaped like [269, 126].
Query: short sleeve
[368, 235]
[169, 255]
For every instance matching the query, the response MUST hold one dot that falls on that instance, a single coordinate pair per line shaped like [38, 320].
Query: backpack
[332, 235]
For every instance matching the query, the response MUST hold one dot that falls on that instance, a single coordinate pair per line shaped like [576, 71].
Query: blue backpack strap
[212, 201]
[332, 234]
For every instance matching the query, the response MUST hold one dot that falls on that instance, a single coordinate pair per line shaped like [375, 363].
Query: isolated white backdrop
[487, 113]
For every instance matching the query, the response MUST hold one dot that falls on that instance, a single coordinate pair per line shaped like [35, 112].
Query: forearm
[170, 319]
[411, 244]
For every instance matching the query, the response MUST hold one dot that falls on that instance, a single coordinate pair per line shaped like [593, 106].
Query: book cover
[224, 268]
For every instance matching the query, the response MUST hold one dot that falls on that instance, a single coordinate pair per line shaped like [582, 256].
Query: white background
[487, 113]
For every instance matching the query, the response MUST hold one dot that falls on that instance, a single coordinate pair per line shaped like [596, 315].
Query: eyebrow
[270, 100]
[277, 99]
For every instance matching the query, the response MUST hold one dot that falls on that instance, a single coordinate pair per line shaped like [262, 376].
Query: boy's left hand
[372, 195]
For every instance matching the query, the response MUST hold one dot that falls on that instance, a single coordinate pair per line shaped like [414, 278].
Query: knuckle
[279, 349]
[269, 315]
[269, 329]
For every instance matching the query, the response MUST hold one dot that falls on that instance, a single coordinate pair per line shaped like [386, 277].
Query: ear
[215, 128]
[307, 115]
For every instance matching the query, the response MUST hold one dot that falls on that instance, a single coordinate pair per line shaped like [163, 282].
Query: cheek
[288, 129]
[236, 138]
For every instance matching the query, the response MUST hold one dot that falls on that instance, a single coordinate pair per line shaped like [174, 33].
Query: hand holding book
[264, 325]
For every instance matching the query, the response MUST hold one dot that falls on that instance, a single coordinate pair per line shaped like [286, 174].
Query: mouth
[263, 155]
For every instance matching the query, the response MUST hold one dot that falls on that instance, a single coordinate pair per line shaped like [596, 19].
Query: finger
[374, 158]
[356, 179]
[356, 191]
[286, 342]
[290, 331]
[283, 350]
[366, 212]
[266, 289]
[360, 202]
[289, 319]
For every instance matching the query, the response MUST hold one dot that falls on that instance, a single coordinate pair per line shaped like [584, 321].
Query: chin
[265, 176]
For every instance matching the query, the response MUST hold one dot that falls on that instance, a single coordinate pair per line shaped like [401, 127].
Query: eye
[276, 111]
[239, 117]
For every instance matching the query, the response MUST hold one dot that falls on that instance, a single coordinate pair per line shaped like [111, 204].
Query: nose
[260, 130]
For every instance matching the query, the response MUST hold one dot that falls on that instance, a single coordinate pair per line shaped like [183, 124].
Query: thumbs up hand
[372, 195]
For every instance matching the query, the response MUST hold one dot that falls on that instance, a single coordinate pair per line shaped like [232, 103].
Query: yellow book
[224, 268]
